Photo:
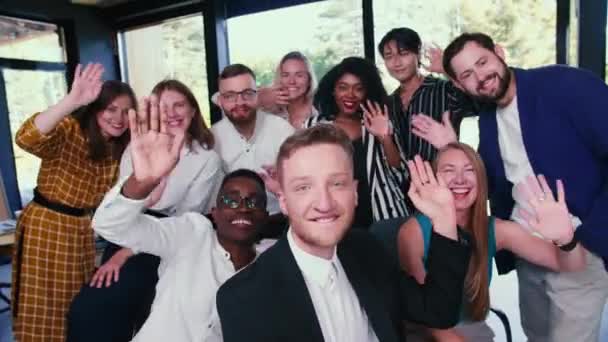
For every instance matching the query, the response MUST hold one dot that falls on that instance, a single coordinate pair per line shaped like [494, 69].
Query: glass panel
[173, 49]
[525, 28]
[325, 31]
[573, 34]
[31, 40]
[28, 92]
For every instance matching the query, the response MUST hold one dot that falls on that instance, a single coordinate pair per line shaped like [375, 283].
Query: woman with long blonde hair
[462, 175]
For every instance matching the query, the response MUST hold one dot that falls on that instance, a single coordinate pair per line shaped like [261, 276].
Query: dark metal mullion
[592, 36]
[562, 27]
[216, 48]
[368, 29]
[21, 64]
[7, 159]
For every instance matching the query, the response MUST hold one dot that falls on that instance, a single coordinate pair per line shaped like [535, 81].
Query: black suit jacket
[269, 300]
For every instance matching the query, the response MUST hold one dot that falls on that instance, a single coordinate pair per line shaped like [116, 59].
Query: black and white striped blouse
[433, 97]
[388, 199]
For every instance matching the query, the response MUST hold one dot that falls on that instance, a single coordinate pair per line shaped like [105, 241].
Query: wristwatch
[569, 246]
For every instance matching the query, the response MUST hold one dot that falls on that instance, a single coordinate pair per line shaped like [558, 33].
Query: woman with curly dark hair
[351, 96]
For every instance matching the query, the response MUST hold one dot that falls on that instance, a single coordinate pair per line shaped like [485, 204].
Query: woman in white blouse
[122, 289]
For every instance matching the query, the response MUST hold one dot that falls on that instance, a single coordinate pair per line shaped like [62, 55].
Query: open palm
[376, 120]
[430, 195]
[154, 152]
[551, 217]
[87, 84]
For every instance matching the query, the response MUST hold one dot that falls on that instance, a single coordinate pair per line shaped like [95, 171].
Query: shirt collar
[427, 81]
[315, 269]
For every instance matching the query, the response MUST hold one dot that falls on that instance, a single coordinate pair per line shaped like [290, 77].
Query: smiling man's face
[243, 222]
[319, 195]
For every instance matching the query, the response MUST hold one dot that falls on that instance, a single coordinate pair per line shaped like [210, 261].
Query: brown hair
[316, 135]
[197, 129]
[477, 289]
[99, 147]
[234, 70]
[458, 44]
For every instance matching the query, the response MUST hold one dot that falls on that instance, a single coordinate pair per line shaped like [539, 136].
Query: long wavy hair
[477, 290]
[197, 129]
[364, 70]
[98, 146]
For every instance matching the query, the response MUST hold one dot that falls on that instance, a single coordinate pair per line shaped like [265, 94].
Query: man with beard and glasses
[549, 120]
[247, 138]
[195, 258]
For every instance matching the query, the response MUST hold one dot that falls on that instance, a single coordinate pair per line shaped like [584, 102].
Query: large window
[27, 92]
[171, 49]
[30, 40]
[325, 31]
[526, 29]
[28, 88]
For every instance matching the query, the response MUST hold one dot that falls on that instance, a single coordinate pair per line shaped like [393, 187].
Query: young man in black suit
[322, 282]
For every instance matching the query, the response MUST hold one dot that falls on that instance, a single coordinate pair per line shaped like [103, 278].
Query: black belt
[60, 207]
[155, 213]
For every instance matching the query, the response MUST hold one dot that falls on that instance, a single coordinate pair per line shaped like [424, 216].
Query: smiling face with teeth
[349, 93]
[113, 120]
[294, 78]
[482, 73]
[240, 225]
[319, 201]
[179, 111]
[460, 175]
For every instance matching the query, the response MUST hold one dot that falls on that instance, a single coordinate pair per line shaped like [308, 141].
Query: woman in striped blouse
[350, 96]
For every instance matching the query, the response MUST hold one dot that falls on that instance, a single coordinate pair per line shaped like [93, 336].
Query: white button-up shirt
[336, 304]
[260, 150]
[193, 266]
[191, 186]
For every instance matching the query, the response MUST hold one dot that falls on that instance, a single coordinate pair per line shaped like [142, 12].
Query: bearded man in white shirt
[247, 138]
[195, 258]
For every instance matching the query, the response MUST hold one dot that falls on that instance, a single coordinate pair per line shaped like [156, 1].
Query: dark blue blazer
[564, 122]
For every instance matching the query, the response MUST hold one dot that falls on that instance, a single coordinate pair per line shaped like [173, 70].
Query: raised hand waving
[154, 152]
[432, 197]
[550, 217]
[436, 133]
[87, 84]
[376, 120]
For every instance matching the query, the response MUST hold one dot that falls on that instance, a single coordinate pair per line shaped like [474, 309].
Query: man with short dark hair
[549, 120]
[246, 137]
[419, 100]
[323, 281]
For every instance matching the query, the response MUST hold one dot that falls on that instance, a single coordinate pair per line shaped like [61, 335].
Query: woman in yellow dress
[80, 141]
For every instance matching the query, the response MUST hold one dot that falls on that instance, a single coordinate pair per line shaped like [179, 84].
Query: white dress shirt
[515, 158]
[260, 150]
[194, 265]
[336, 304]
[511, 143]
[191, 186]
